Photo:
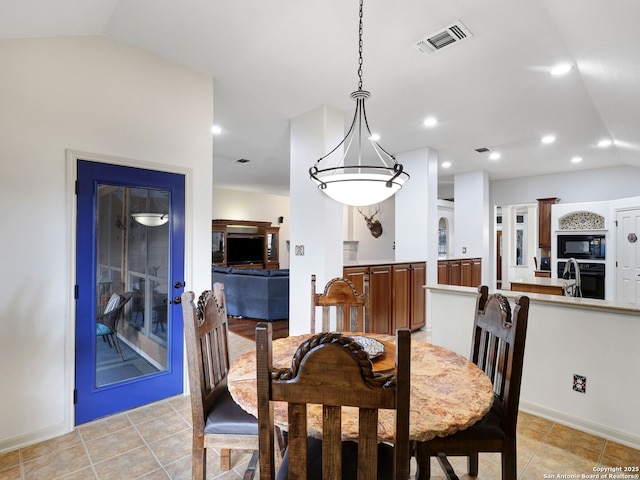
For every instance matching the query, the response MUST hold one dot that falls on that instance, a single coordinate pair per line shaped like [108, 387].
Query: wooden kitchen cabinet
[454, 272]
[443, 272]
[466, 272]
[380, 298]
[544, 221]
[476, 272]
[401, 296]
[471, 272]
[417, 314]
[396, 294]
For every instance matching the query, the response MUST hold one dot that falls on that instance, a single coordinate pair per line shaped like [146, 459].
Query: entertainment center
[244, 244]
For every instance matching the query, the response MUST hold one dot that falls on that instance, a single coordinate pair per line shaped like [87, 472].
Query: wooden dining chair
[218, 422]
[498, 349]
[333, 370]
[351, 307]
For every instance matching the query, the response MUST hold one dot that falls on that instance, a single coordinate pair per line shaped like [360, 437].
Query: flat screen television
[245, 250]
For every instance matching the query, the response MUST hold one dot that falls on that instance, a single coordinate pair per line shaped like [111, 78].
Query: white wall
[369, 247]
[96, 95]
[580, 186]
[561, 341]
[239, 205]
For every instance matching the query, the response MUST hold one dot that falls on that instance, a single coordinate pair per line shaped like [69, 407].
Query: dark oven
[591, 278]
[581, 247]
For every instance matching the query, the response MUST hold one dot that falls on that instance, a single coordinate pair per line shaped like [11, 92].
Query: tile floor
[154, 442]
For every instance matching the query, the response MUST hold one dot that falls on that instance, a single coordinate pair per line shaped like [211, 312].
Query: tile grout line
[86, 451]
[144, 440]
[20, 458]
[535, 452]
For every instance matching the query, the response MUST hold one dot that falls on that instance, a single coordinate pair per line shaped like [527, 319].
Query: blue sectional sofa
[254, 293]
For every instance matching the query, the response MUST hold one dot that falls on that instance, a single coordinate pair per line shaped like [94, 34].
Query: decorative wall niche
[582, 221]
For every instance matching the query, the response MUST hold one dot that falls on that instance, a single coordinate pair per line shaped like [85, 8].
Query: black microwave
[591, 247]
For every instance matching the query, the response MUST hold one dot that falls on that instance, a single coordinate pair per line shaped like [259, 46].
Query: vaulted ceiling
[274, 60]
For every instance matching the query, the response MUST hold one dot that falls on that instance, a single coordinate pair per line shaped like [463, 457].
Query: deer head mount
[374, 226]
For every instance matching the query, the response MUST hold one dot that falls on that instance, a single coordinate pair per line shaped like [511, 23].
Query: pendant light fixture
[352, 182]
[151, 219]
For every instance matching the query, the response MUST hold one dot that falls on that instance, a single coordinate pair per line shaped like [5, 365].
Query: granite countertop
[448, 393]
[545, 281]
[560, 300]
[364, 263]
[444, 259]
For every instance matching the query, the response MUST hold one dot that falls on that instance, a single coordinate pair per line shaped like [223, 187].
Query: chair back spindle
[332, 370]
[340, 296]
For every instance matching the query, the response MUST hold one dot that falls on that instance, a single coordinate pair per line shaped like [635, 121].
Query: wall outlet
[300, 250]
[579, 383]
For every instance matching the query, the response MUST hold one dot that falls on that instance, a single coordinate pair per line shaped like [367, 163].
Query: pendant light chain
[360, 49]
[353, 183]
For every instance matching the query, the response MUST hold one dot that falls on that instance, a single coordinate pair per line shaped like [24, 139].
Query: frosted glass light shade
[359, 189]
[151, 219]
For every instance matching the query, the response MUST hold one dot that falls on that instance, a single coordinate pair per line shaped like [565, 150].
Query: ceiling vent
[241, 160]
[444, 37]
[482, 150]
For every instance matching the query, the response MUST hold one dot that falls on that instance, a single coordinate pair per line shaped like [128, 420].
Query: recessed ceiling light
[430, 121]
[374, 137]
[561, 69]
[576, 159]
[494, 156]
[605, 142]
[216, 130]
[548, 139]
[446, 164]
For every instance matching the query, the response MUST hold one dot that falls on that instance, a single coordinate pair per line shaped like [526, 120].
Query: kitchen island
[548, 286]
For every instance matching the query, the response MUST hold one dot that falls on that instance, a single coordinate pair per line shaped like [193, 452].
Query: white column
[417, 211]
[472, 219]
[316, 220]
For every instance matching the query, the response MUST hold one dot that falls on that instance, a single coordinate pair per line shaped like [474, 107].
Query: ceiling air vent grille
[444, 37]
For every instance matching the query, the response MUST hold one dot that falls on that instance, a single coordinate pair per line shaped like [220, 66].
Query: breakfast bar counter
[568, 339]
[549, 286]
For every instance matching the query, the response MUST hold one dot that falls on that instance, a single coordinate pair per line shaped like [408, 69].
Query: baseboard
[40, 435]
[619, 436]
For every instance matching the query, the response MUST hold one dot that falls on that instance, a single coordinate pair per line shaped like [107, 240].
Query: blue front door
[130, 271]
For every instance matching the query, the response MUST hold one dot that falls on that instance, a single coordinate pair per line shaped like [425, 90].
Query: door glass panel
[132, 282]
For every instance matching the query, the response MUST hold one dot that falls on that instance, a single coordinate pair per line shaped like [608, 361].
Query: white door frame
[72, 158]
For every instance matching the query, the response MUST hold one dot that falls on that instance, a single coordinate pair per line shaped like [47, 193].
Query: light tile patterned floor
[154, 442]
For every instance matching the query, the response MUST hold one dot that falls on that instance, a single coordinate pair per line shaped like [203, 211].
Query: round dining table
[448, 392]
